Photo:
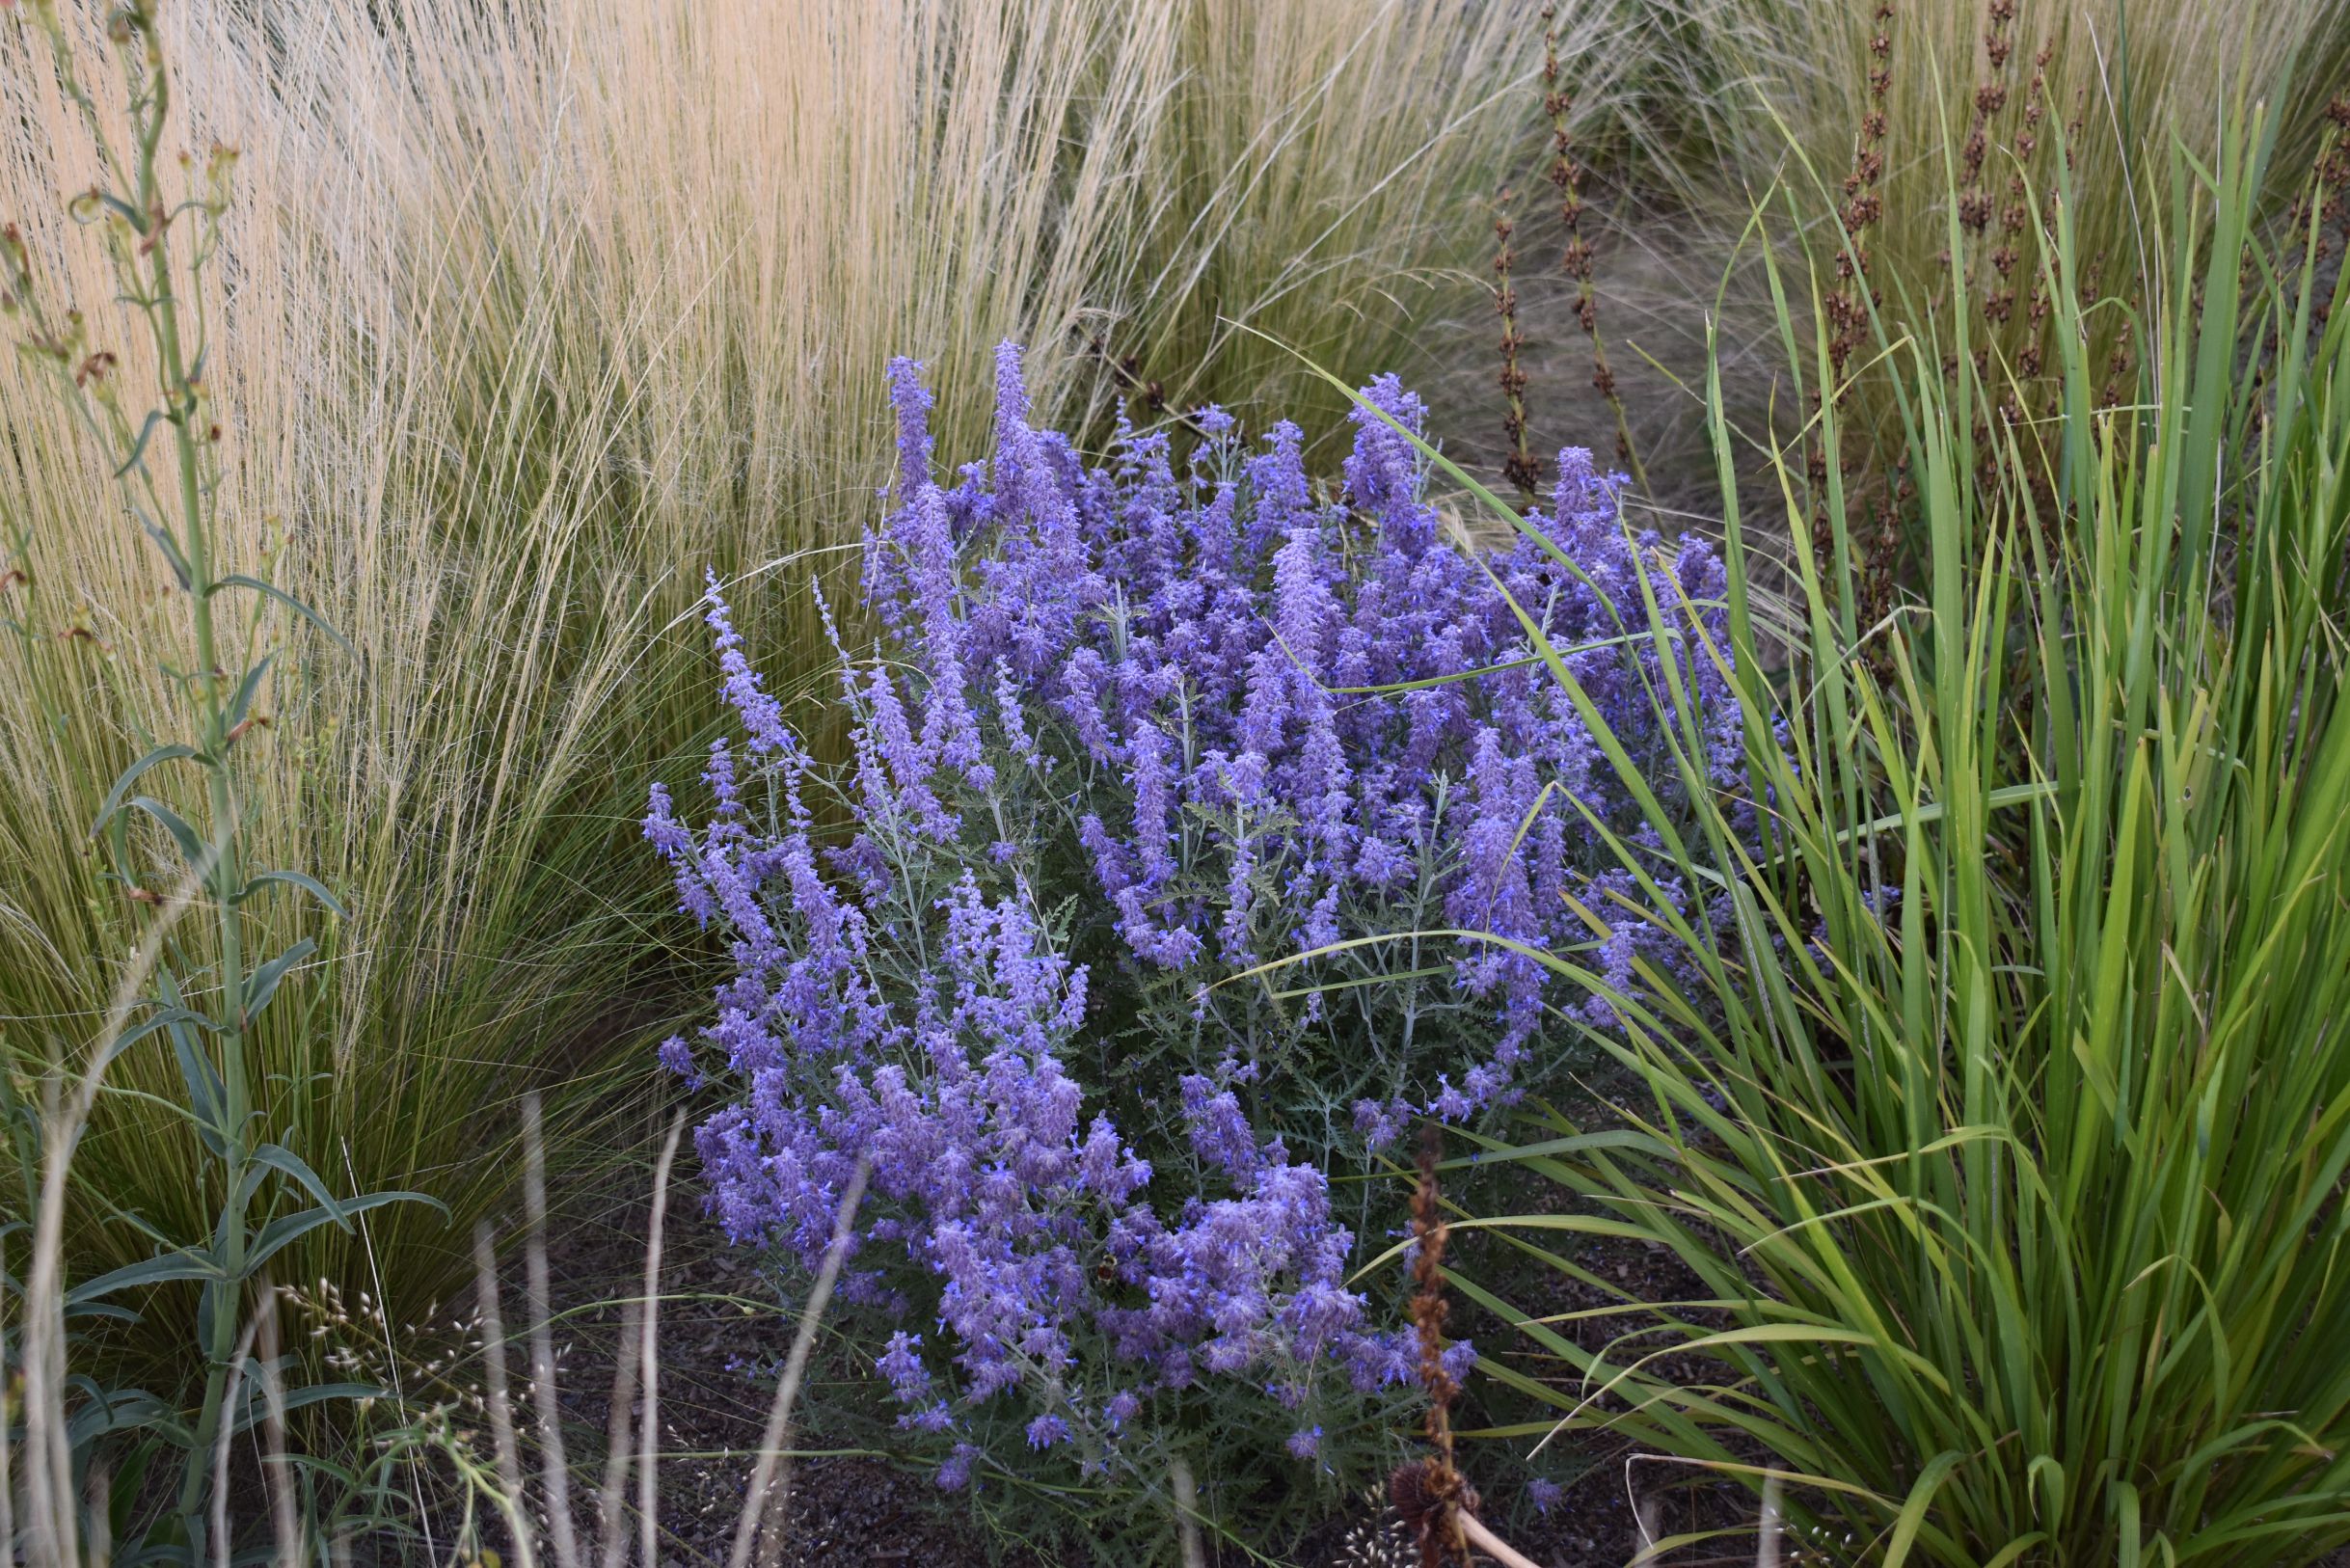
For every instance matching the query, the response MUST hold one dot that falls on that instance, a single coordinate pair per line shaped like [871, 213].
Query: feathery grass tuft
[530, 316]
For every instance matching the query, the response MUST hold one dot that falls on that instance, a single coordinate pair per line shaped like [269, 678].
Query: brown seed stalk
[1431, 1495]
[1521, 468]
[1850, 304]
[1567, 175]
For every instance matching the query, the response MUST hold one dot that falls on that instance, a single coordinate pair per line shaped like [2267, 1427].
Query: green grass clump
[2007, 1125]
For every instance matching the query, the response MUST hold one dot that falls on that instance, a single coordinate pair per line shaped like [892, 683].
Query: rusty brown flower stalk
[1522, 467]
[1566, 173]
[1431, 1494]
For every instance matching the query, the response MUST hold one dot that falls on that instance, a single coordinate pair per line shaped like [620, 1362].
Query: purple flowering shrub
[1135, 733]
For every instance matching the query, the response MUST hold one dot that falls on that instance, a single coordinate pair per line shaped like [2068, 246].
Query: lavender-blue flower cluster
[1257, 694]
[1137, 732]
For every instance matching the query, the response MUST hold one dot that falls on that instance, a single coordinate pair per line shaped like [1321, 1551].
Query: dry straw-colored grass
[531, 312]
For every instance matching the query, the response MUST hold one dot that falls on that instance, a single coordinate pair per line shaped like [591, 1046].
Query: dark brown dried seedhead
[1430, 1493]
[1566, 176]
[1519, 466]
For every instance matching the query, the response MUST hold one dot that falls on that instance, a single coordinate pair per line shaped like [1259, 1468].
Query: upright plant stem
[182, 410]
[136, 217]
[1186, 1512]
[1521, 468]
[1567, 174]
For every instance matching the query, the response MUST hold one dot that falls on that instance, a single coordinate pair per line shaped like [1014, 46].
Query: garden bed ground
[856, 1509]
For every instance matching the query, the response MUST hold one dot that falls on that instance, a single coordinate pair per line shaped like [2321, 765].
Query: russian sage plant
[1142, 903]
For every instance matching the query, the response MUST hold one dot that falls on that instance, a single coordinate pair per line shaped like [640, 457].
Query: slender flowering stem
[1566, 173]
[140, 225]
[1522, 468]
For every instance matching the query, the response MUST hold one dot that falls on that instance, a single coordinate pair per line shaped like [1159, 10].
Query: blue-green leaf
[157, 1270]
[192, 847]
[281, 1233]
[286, 1162]
[294, 878]
[207, 1093]
[241, 581]
[248, 689]
[170, 551]
[253, 1408]
[153, 1548]
[105, 1310]
[264, 981]
[118, 208]
[119, 1409]
[138, 449]
[160, 1018]
[131, 775]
